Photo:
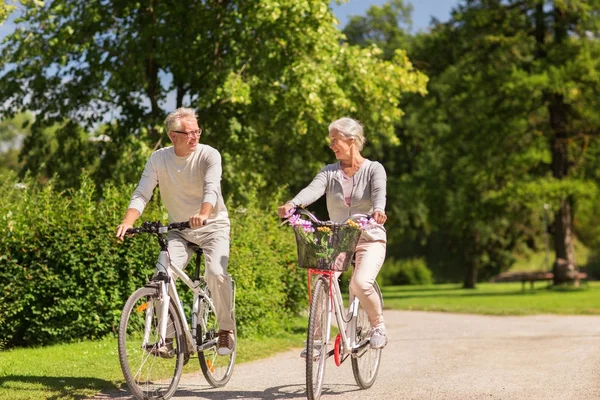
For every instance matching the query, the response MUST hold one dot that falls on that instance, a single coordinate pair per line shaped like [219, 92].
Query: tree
[388, 27]
[550, 74]
[505, 128]
[5, 10]
[266, 78]
[12, 132]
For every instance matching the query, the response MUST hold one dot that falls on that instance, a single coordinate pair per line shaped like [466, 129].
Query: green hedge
[65, 276]
[412, 271]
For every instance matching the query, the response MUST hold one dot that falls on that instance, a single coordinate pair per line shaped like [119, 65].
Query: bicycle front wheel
[216, 369]
[151, 372]
[317, 339]
[366, 366]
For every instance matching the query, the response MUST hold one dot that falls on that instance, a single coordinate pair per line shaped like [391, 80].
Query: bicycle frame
[167, 292]
[345, 319]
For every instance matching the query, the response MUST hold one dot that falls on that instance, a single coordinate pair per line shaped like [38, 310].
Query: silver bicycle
[325, 251]
[156, 338]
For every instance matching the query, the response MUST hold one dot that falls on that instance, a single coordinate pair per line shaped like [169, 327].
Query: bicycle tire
[317, 339]
[217, 370]
[149, 376]
[366, 367]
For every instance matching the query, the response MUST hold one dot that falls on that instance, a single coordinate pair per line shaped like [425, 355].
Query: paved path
[434, 356]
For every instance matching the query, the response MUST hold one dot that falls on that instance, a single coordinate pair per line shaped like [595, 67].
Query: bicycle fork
[166, 289]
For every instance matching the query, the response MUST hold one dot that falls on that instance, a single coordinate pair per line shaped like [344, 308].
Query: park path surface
[439, 356]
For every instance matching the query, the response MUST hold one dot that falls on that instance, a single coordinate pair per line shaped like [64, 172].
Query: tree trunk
[471, 276]
[471, 261]
[565, 267]
[153, 86]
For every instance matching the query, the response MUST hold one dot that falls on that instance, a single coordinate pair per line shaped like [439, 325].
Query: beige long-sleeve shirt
[185, 184]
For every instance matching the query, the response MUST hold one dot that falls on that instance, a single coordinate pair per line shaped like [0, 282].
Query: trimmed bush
[262, 261]
[66, 277]
[412, 271]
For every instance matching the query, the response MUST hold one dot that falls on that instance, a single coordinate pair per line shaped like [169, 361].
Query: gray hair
[350, 129]
[173, 120]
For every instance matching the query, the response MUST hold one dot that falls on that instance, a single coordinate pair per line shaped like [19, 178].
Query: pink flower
[366, 224]
[306, 225]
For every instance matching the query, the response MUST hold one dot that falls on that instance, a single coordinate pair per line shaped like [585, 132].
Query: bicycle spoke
[216, 369]
[317, 339]
[148, 372]
[366, 366]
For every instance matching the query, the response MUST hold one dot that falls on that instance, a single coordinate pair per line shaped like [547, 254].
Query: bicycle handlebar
[157, 227]
[311, 216]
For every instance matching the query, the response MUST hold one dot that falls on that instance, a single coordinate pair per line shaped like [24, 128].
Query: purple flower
[293, 220]
[306, 225]
[366, 224]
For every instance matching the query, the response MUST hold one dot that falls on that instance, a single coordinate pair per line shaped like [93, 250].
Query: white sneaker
[378, 337]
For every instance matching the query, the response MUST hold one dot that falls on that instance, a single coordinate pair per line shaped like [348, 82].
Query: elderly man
[189, 177]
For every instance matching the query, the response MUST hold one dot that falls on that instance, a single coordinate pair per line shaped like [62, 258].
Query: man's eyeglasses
[197, 132]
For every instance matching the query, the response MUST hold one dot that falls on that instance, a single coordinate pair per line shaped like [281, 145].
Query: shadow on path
[277, 392]
[55, 387]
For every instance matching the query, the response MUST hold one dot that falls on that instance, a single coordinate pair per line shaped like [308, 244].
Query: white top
[347, 185]
[185, 183]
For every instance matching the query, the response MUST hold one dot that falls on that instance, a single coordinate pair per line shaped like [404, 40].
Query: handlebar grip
[179, 225]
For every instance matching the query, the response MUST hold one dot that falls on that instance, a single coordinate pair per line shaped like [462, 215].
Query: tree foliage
[5, 10]
[505, 129]
[266, 78]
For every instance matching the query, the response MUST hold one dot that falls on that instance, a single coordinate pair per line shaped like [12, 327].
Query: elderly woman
[354, 185]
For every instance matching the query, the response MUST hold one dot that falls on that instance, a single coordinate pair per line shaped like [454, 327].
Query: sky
[423, 10]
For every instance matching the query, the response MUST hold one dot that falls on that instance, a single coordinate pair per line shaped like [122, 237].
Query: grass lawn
[495, 299]
[74, 371]
[78, 370]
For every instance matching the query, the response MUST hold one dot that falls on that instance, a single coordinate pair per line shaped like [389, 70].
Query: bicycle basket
[327, 248]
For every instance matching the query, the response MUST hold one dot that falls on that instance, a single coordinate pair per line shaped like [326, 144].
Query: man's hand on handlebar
[198, 220]
[122, 229]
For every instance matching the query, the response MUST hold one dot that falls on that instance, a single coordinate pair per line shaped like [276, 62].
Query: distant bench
[530, 277]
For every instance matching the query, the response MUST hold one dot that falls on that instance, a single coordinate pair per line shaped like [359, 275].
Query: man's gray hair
[350, 129]
[173, 120]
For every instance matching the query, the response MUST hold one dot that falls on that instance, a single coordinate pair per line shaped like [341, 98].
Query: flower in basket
[367, 223]
[325, 247]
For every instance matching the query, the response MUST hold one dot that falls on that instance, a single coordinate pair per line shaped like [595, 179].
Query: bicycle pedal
[315, 356]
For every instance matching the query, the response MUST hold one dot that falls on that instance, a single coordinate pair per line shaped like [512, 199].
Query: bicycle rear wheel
[216, 369]
[317, 339]
[150, 373]
[366, 367]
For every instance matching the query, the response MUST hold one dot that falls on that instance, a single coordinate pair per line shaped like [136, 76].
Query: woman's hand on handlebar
[286, 210]
[379, 217]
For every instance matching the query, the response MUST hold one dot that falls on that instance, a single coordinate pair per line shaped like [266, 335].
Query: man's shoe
[165, 351]
[226, 343]
[378, 337]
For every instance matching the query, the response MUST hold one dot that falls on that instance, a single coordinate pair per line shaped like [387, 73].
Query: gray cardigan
[368, 194]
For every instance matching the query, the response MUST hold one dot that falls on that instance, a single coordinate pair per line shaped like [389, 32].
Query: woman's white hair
[350, 129]
[173, 120]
